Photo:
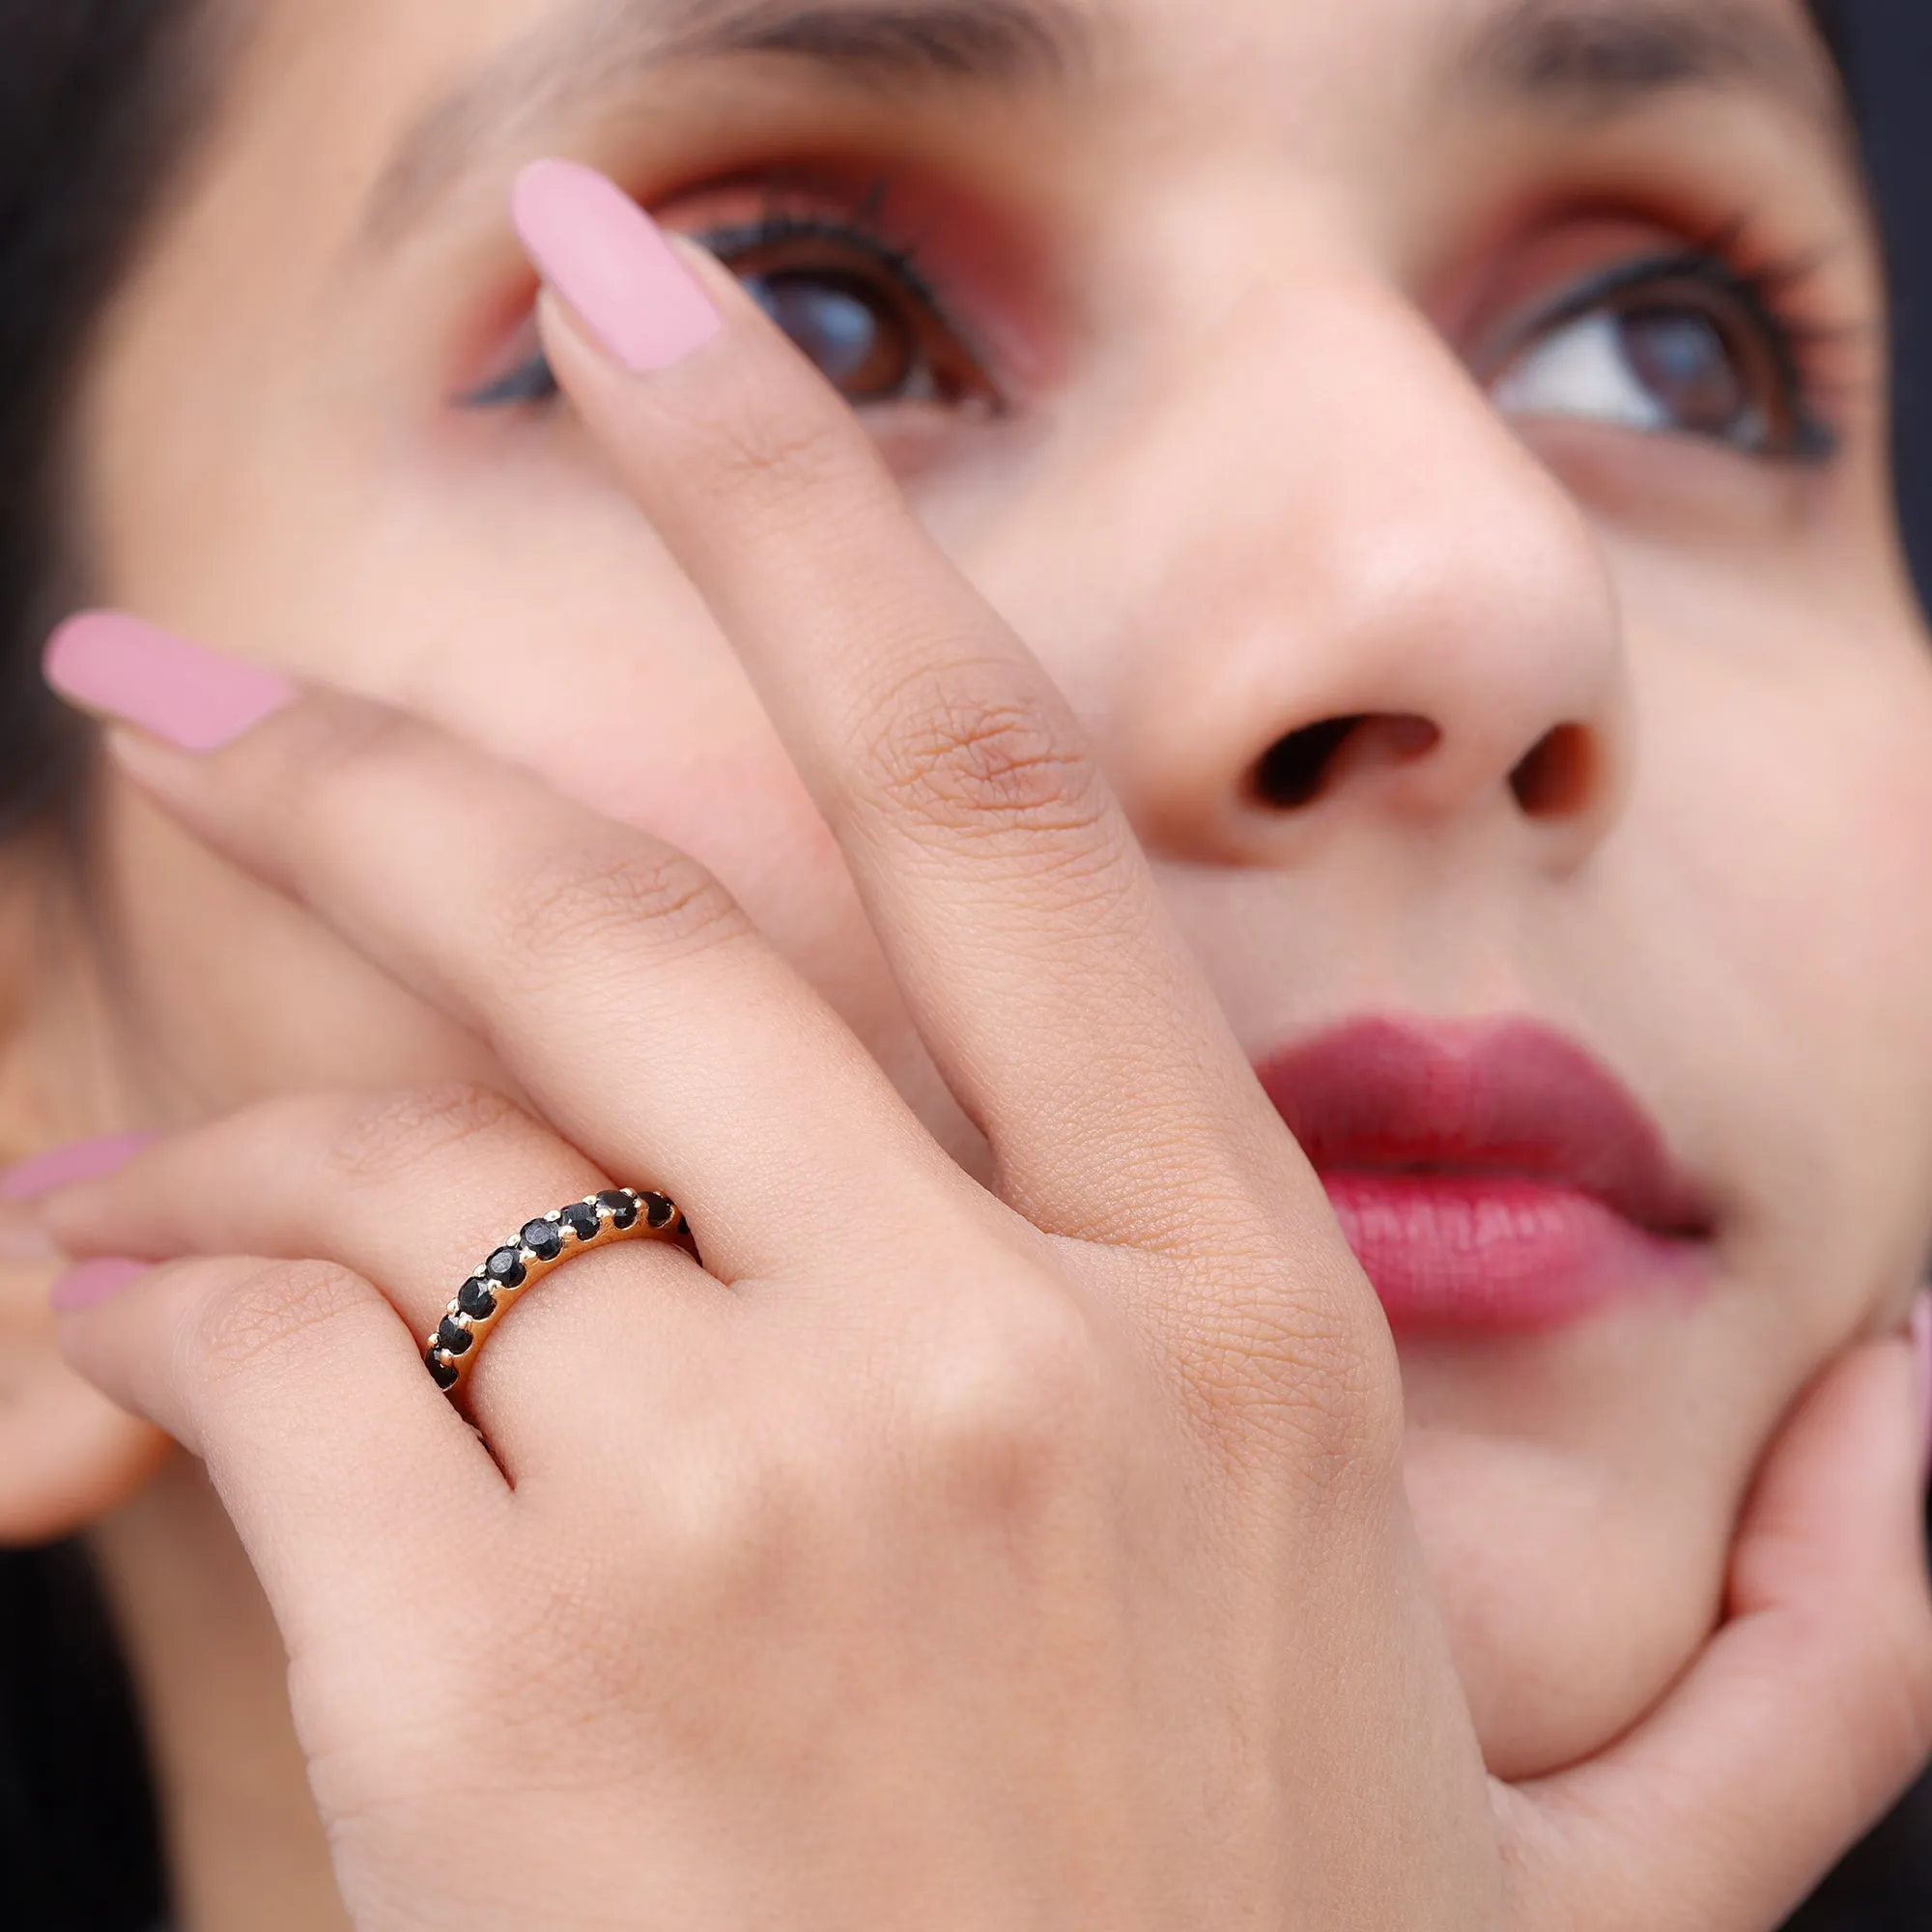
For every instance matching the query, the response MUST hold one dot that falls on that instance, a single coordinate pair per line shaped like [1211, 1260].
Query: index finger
[1018, 911]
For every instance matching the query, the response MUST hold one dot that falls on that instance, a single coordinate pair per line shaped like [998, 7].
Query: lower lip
[1486, 1252]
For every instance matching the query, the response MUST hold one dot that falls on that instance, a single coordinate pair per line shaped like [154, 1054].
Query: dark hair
[97, 99]
[99, 104]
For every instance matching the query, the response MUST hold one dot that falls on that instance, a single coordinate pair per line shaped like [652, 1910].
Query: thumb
[1805, 1717]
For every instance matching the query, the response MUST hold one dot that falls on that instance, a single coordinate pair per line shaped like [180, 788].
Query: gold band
[618, 1215]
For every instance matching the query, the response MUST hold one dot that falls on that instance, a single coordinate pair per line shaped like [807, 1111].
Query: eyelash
[861, 236]
[1768, 299]
[1765, 301]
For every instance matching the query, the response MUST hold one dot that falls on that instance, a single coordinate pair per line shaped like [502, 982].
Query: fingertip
[603, 255]
[122, 667]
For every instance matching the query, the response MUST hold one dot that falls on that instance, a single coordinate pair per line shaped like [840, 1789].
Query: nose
[1341, 584]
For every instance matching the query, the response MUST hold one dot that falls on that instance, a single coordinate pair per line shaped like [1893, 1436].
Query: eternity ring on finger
[618, 1215]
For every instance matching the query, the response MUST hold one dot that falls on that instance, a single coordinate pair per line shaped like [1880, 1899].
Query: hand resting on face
[930, 1554]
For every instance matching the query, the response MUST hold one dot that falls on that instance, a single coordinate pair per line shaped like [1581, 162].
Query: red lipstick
[1489, 1175]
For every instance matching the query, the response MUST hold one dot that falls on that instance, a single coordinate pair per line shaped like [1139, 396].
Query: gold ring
[597, 1221]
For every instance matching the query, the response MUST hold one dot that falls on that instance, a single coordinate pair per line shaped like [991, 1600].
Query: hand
[933, 1555]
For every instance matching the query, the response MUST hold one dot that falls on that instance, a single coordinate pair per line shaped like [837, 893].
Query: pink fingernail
[63, 1166]
[92, 1283]
[192, 698]
[1922, 1344]
[609, 261]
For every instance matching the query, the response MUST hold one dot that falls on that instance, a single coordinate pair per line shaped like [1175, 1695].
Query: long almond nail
[63, 1166]
[93, 1283]
[194, 697]
[609, 261]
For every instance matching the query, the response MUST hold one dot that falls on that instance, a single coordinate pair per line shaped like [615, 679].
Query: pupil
[862, 352]
[1682, 357]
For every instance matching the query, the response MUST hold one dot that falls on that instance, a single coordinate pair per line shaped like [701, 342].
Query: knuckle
[1015, 1392]
[985, 761]
[383, 1137]
[1313, 1369]
[306, 778]
[271, 1315]
[588, 905]
[726, 1527]
[717, 1531]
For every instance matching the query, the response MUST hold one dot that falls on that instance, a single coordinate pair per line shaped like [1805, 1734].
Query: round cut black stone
[443, 1370]
[453, 1338]
[506, 1266]
[659, 1211]
[544, 1240]
[476, 1301]
[622, 1208]
[580, 1218]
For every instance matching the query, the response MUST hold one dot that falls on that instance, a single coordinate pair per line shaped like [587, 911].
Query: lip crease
[1488, 1175]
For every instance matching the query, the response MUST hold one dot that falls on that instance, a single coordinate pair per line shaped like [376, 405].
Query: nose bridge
[1327, 529]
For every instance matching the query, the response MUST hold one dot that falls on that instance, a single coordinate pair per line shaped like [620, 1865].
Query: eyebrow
[1596, 59]
[1580, 59]
[605, 44]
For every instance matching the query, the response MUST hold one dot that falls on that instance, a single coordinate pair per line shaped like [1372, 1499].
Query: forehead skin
[1572, 58]
[454, 93]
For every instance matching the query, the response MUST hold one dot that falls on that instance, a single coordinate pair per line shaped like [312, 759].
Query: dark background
[1888, 44]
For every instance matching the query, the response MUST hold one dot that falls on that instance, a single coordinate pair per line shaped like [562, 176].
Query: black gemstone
[622, 1207]
[544, 1240]
[444, 1370]
[453, 1338]
[580, 1218]
[506, 1266]
[476, 1301]
[659, 1211]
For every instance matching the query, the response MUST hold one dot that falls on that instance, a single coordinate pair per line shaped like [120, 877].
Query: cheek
[514, 597]
[1802, 839]
[524, 605]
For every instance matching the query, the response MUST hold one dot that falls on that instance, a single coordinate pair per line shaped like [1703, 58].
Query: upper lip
[1508, 1097]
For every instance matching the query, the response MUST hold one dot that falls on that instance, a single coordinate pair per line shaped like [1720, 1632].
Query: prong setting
[512, 1270]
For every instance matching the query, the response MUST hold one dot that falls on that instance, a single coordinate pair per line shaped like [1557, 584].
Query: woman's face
[1496, 387]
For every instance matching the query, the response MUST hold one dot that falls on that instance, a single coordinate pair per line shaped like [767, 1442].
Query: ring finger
[413, 1191]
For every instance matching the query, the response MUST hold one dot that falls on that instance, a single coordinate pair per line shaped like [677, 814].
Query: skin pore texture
[1228, 298]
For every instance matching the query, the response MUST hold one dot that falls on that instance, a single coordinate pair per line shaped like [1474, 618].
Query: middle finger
[1019, 913]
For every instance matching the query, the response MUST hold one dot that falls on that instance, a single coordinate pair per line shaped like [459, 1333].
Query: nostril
[1294, 770]
[1297, 770]
[1554, 779]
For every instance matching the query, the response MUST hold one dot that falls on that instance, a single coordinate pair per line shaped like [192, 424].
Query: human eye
[853, 299]
[1682, 343]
